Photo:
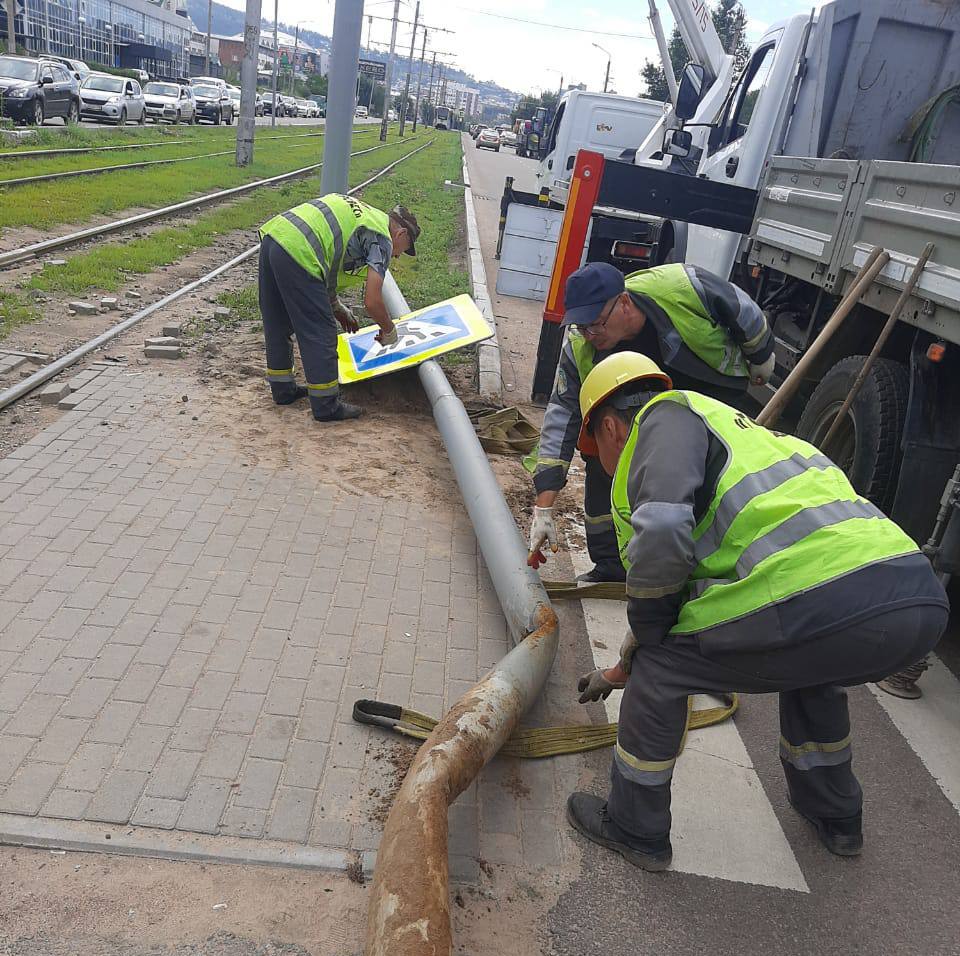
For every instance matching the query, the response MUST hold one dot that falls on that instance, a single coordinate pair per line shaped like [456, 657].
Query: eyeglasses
[597, 326]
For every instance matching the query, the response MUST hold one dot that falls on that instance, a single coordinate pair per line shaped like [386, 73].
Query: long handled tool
[877, 259]
[881, 341]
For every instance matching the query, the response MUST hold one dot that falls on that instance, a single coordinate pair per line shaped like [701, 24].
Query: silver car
[112, 99]
[170, 102]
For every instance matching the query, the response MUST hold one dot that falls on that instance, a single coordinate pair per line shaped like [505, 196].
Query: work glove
[627, 648]
[760, 374]
[599, 684]
[348, 321]
[542, 531]
[387, 336]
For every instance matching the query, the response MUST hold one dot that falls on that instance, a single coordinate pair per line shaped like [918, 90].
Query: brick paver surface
[184, 631]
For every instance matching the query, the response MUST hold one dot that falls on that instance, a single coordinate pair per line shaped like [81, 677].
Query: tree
[730, 22]
[531, 102]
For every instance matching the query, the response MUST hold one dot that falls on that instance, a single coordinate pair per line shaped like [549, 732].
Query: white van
[602, 122]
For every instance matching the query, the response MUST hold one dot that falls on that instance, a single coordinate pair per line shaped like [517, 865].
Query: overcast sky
[526, 56]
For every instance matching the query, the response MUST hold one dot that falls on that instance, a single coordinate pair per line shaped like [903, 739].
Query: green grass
[426, 279]
[45, 205]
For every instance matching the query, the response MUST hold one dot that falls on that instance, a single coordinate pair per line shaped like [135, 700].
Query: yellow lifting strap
[532, 742]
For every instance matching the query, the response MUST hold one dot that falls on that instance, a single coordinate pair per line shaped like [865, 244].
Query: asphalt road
[750, 876]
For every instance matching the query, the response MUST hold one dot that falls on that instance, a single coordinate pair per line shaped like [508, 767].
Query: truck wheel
[867, 444]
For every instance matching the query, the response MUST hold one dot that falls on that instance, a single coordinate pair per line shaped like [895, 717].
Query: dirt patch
[515, 786]
[397, 759]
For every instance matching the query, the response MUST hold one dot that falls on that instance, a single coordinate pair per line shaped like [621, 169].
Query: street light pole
[406, 86]
[341, 95]
[248, 83]
[293, 71]
[606, 79]
[416, 105]
[388, 79]
[206, 69]
[276, 63]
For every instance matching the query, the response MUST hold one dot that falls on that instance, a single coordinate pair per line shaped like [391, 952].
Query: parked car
[207, 81]
[112, 99]
[360, 112]
[77, 67]
[391, 116]
[321, 104]
[508, 138]
[258, 106]
[489, 139]
[478, 129]
[234, 93]
[268, 105]
[171, 102]
[313, 111]
[214, 104]
[32, 90]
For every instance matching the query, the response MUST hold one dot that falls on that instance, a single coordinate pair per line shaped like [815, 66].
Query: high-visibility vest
[670, 287]
[315, 235]
[783, 519]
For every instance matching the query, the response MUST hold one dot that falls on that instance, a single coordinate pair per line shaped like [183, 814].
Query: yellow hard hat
[604, 379]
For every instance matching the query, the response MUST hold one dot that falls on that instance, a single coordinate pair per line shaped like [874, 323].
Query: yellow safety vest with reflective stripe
[670, 287]
[315, 235]
[783, 519]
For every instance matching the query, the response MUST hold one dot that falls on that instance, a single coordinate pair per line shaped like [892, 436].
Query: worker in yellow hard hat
[751, 565]
[710, 335]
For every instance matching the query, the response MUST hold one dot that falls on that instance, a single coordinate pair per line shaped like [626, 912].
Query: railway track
[32, 251]
[68, 150]
[119, 167]
[42, 375]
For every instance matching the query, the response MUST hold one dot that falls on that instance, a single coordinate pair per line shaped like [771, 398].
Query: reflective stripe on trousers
[647, 773]
[812, 753]
[280, 375]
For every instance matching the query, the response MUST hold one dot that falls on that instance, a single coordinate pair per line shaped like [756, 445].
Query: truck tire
[867, 445]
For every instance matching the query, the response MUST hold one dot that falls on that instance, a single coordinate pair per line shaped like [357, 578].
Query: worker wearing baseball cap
[705, 331]
[307, 255]
[752, 566]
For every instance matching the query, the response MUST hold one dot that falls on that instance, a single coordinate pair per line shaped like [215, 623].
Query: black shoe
[342, 412]
[842, 836]
[299, 392]
[602, 575]
[588, 814]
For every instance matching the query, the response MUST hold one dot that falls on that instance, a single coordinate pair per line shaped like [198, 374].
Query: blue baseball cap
[588, 290]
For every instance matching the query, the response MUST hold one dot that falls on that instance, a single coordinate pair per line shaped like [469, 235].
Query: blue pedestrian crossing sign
[421, 335]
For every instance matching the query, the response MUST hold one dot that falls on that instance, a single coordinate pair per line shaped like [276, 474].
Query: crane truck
[839, 135]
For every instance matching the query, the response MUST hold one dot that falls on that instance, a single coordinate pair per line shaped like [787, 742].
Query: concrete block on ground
[162, 351]
[10, 363]
[109, 303]
[221, 311]
[82, 378]
[69, 403]
[83, 308]
[172, 330]
[57, 262]
[54, 393]
[162, 340]
[133, 295]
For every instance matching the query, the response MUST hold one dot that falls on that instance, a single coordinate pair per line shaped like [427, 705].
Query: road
[749, 875]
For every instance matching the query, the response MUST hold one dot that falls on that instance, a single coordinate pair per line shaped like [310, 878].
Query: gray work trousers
[814, 722]
[598, 521]
[295, 303]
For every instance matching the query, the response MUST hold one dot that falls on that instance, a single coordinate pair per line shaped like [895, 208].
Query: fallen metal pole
[410, 902]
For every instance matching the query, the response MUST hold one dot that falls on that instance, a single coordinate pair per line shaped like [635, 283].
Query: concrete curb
[488, 352]
[83, 837]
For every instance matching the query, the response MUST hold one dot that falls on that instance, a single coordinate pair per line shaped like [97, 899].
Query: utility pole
[433, 69]
[293, 71]
[416, 105]
[248, 84]
[209, 29]
[12, 27]
[276, 63]
[406, 86]
[389, 77]
[341, 95]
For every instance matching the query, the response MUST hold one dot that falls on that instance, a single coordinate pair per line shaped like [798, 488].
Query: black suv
[32, 90]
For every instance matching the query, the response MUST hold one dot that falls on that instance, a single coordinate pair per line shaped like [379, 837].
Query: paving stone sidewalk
[184, 631]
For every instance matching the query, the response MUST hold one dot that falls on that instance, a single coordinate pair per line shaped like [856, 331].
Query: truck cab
[602, 122]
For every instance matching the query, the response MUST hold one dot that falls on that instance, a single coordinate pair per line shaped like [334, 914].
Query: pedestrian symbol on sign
[421, 335]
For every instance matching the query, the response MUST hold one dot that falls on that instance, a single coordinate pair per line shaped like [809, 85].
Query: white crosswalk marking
[931, 725]
[723, 823]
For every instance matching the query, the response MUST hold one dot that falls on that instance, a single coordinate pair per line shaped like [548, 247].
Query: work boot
[842, 836]
[341, 413]
[904, 683]
[589, 815]
[299, 392]
[603, 574]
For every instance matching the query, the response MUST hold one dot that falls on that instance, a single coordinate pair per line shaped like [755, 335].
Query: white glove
[760, 374]
[629, 645]
[387, 338]
[543, 530]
